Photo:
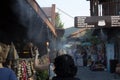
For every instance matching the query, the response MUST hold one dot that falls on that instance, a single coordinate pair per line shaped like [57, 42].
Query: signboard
[97, 21]
[115, 21]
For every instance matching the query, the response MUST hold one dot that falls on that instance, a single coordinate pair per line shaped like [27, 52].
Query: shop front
[21, 22]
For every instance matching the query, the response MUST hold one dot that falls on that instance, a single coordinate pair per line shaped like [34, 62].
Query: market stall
[22, 63]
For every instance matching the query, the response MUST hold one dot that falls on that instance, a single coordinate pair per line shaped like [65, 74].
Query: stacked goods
[25, 69]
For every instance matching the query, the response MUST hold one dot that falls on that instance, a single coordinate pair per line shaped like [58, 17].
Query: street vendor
[38, 65]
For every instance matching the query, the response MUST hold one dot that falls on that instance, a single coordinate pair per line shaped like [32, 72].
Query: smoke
[29, 19]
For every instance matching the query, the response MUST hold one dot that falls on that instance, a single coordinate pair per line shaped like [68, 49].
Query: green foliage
[58, 22]
[42, 75]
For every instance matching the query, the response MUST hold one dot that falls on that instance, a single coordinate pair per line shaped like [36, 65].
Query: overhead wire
[46, 2]
[65, 13]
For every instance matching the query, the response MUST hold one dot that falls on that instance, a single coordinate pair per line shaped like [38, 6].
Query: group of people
[64, 66]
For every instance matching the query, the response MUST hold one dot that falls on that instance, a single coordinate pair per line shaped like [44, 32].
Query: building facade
[110, 32]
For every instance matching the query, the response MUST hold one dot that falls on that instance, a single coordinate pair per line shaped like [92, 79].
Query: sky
[68, 9]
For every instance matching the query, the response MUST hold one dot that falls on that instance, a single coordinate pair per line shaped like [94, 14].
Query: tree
[58, 22]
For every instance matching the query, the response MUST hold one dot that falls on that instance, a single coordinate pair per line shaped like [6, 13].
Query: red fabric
[24, 76]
